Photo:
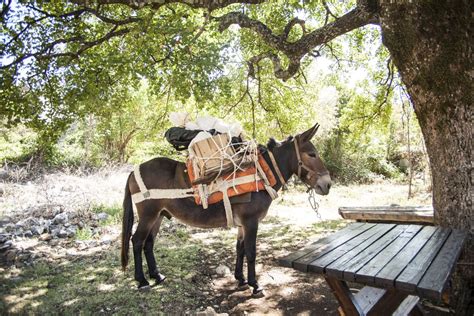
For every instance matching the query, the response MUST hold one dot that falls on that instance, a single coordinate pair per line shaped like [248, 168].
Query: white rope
[157, 194]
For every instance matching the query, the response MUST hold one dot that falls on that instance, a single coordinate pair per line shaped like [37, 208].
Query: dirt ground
[81, 274]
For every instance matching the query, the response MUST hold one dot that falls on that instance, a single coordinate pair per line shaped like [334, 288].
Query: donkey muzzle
[323, 185]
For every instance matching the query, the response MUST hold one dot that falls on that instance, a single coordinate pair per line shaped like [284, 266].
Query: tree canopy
[64, 60]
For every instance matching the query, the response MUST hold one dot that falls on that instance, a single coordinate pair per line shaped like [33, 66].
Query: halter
[300, 165]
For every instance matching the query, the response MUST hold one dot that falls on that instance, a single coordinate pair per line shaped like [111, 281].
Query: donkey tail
[127, 224]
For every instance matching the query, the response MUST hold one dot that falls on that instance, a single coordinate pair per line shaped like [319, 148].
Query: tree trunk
[431, 44]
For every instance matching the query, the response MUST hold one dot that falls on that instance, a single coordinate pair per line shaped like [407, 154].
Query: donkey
[296, 155]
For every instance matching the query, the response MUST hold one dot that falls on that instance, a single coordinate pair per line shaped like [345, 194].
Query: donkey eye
[312, 155]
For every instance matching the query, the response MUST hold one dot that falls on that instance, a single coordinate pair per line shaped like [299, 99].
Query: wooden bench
[397, 214]
[398, 264]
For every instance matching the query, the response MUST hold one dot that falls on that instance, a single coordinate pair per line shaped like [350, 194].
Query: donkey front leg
[239, 264]
[250, 245]
[149, 255]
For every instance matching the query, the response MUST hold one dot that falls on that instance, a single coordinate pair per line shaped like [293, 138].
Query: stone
[55, 231]
[28, 234]
[5, 245]
[60, 218]
[53, 242]
[10, 227]
[102, 217]
[62, 233]
[10, 255]
[209, 311]
[222, 270]
[71, 230]
[45, 237]
[3, 174]
[37, 230]
[72, 253]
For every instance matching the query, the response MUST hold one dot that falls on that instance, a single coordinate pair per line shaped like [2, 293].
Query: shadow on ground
[93, 283]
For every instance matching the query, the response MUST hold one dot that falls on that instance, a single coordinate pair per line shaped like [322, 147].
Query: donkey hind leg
[150, 257]
[250, 246]
[239, 264]
[145, 224]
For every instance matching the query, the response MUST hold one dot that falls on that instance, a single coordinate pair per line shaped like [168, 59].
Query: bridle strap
[301, 163]
[275, 166]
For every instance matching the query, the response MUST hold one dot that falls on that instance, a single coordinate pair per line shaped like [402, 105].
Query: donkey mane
[272, 143]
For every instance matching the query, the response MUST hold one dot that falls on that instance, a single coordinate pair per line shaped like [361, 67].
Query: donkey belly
[187, 212]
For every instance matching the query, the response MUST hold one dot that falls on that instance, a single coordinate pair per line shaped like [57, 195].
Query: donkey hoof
[243, 285]
[258, 292]
[144, 288]
[159, 279]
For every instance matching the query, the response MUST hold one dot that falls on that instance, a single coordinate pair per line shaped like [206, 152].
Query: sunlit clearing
[70, 302]
[105, 287]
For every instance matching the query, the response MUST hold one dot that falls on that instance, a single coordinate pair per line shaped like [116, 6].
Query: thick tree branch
[294, 65]
[290, 25]
[358, 17]
[155, 4]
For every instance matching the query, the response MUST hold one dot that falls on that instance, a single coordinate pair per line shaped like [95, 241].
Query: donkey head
[311, 169]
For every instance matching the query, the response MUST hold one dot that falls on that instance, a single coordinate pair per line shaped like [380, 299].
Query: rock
[4, 238]
[222, 270]
[60, 218]
[45, 237]
[55, 231]
[53, 242]
[71, 231]
[28, 234]
[2, 190]
[5, 245]
[62, 233]
[102, 217]
[37, 230]
[209, 311]
[10, 255]
[3, 174]
[72, 253]
[10, 227]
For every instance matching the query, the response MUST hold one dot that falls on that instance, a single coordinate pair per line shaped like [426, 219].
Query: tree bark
[431, 44]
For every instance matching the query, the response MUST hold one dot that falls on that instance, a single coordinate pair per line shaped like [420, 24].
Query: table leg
[388, 303]
[344, 296]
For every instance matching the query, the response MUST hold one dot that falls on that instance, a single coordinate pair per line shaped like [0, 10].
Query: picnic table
[398, 264]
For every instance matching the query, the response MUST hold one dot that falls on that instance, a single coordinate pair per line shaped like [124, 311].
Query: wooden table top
[415, 259]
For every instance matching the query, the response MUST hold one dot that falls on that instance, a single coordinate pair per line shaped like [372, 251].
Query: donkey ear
[306, 136]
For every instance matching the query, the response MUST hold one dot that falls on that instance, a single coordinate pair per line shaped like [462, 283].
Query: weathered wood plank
[386, 277]
[301, 264]
[335, 269]
[317, 263]
[407, 306]
[368, 296]
[351, 267]
[414, 271]
[287, 261]
[366, 274]
[434, 281]
[404, 214]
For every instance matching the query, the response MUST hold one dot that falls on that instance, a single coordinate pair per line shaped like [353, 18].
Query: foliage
[111, 103]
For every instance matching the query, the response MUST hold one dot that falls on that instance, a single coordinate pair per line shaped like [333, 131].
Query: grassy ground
[94, 283]
[82, 275]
